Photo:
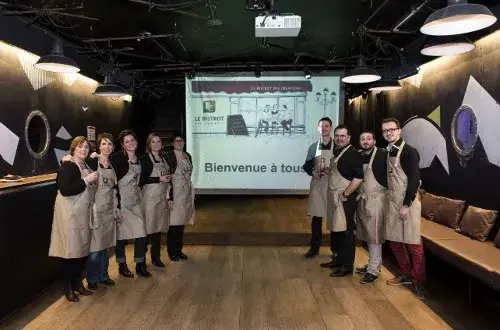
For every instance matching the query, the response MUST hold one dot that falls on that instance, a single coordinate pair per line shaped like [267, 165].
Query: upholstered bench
[462, 238]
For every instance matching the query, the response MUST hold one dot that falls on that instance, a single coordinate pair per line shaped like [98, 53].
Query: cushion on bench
[477, 222]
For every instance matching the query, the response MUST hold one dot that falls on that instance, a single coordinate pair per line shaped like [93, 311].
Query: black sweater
[69, 180]
[147, 169]
[172, 160]
[119, 161]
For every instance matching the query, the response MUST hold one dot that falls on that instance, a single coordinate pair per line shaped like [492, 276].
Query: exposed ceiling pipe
[407, 17]
[137, 37]
[375, 12]
[402, 21]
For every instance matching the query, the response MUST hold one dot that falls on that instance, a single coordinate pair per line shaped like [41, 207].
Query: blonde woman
[71, 229]
[157, 194]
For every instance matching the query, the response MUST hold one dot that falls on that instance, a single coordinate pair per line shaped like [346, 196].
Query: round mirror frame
[458, 150]
[45, 149]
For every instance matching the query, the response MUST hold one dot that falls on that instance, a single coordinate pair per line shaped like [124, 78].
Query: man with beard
[345, 175]
[402, 222]
[317, 165]
[371, 204]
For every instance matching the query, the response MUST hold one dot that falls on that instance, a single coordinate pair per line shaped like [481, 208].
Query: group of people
[105, 199]
[368, 194]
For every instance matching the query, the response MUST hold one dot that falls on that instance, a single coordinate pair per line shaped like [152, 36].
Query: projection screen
[250, 135]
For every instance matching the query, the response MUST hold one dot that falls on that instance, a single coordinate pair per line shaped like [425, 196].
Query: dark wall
[444, 84]
[66, 101]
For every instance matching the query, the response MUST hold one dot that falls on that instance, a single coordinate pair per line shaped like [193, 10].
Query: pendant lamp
[361, 74]
[109, 89]
[451, 45]
[56, 61]
[458, 17]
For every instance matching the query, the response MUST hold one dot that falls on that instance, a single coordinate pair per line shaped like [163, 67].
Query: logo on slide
[208, 106]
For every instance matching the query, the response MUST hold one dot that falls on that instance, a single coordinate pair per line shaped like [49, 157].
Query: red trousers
[403, 252]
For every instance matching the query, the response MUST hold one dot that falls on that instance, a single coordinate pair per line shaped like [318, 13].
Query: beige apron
[397, 230]
[155, 200]
[132, 223]
[182, 211]
[371, 207]
[337, 184]
[317, 202]
[104, 224]
[71, 232]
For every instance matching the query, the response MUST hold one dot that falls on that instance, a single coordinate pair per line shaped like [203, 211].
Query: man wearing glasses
[402, 222]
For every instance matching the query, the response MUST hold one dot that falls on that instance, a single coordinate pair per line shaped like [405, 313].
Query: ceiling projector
[277, 25]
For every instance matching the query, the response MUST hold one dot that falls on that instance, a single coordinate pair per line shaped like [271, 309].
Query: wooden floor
[240, 288]
[262, 214]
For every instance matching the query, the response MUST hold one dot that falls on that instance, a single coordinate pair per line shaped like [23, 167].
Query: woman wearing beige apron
[157, 195]
[346, 173]
[131, 224]
[402, 223]
[317, 165]
[182, 211]
[105, 214]
[372, 201]
[71, 227]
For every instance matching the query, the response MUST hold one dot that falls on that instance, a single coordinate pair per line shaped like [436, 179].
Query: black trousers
[316, 233]
[73, 269]
[343, 244]
[175, 239]
[155, 241]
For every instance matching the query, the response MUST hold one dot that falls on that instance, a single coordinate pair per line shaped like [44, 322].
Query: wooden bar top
[28, 181]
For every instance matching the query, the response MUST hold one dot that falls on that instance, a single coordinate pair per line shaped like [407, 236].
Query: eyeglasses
[179, 141]
[390, 130]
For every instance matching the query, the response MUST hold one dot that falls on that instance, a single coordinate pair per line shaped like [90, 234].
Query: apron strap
[372, 157]
[341, 154]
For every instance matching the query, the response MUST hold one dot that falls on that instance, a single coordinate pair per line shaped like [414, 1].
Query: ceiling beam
[139, 37]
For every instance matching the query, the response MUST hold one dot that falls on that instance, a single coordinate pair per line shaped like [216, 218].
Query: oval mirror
[37, 134]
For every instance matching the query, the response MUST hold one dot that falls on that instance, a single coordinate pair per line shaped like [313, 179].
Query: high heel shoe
[124, 271]
[140, 269]
[182, 256]
[173, 256]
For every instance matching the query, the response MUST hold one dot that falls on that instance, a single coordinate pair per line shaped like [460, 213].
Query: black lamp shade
[458, 17]
[56, 61]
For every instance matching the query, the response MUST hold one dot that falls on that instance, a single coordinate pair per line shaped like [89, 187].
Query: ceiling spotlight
[109, 89]
[56, 61]
[452, 45]
[458, 17]
[385, 85]
[361, 74]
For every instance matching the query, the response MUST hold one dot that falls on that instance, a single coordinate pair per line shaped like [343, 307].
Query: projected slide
[248, 133]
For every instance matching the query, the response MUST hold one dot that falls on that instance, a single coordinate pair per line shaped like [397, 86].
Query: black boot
[124, 271]
[140, 269]
[69, 293]
[181, 255]
[173, 256]
[158, 263]
[81, 289]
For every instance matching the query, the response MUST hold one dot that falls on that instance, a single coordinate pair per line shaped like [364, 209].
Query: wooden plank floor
[238, 288]
[242, 214]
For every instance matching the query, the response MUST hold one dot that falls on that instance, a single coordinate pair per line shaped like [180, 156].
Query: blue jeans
[97, 267]
[139, 250]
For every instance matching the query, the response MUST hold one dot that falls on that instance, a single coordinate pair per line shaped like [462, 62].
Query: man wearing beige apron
[345, 175]
[371, 205]
[402, 223]
[317, 165]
